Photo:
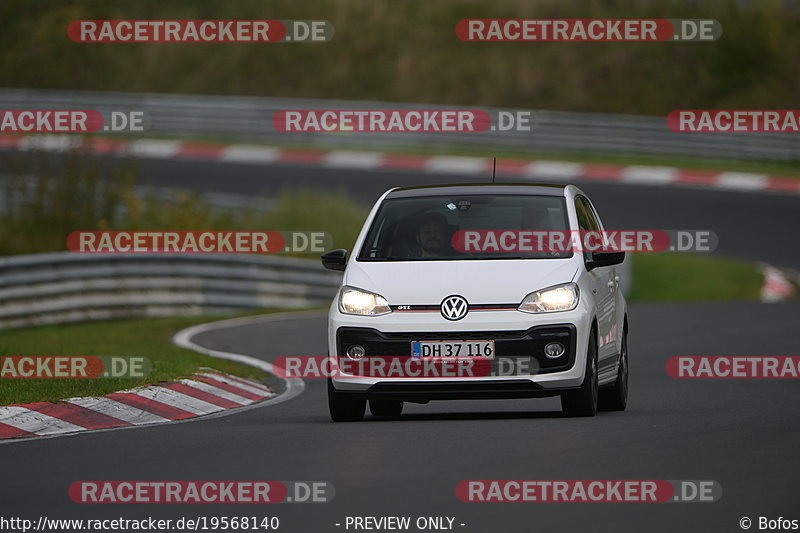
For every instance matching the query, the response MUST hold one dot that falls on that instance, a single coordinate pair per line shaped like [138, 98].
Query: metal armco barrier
[63, 287]
[250, 118]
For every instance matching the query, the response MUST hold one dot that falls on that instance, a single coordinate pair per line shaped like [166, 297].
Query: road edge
[183, 338]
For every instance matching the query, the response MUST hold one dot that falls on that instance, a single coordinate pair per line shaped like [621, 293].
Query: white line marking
[177, 399]
[294, 386]
[35, 422]
[216, 391]
[154, 148]
[456, 165]
[649, 175]
[120, 411]
[348, 159]
[246, 153]
[741, 181]
[554, 170]
[49, 142]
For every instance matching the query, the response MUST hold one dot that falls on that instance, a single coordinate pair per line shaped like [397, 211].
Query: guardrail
[63, 287]
[250, 118]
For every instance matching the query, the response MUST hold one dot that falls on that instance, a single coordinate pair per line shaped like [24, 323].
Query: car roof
[535, 189]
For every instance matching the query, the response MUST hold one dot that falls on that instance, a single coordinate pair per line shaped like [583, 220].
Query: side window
[586, 215]
[583, 219]
[587, 219]
[592, 214]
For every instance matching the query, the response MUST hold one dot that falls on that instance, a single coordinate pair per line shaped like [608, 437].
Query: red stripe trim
[11, 140]
[10, 432]
[511, 166]
[699, 177]
[101, 145]
[229, 388]
[783, 184]
[200, 151]
[411, 162]
[77, 415]
[601, 172]
[202, 395]
[151, 406]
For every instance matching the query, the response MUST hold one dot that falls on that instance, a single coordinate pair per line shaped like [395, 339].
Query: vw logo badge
[454, 307]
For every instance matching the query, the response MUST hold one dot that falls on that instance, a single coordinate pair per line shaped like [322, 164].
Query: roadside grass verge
[146, 337]
[673, 277]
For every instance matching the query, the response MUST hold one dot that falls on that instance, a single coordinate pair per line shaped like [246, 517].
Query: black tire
[615, 397]
[583, 402]
[343, 407]
[386, 407]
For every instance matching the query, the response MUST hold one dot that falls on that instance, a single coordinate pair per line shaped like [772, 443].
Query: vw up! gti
[406, 292]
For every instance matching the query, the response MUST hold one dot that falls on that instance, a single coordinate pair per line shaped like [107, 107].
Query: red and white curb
[364, 160]
[205, 393]
[777, 286]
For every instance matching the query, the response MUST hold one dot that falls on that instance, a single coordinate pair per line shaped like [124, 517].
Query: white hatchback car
[411, 291]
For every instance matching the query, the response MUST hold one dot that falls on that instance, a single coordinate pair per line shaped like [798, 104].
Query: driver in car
[433, 235]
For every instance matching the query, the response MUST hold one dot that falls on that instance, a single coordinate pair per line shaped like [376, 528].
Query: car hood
[480, 282]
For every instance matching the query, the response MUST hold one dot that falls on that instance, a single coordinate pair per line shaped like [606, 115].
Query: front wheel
[583, 402]
[615, 397]
[343, 407]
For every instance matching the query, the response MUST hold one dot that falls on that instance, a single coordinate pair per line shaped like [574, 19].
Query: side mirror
[335, 259]
[602, 259]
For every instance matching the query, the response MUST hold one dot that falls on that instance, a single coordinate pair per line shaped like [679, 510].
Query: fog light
[554, 350]
[356, 352]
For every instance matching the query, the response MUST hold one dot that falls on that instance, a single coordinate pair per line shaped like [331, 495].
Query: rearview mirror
[602, 259]
[335, 259]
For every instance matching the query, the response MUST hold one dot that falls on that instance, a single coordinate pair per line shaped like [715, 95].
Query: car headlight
[558, 298]
[354, 301]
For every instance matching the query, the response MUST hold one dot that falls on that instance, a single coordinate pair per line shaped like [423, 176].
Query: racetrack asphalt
[741, 433]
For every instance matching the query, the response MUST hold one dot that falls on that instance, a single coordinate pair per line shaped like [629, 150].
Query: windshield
[463, 228]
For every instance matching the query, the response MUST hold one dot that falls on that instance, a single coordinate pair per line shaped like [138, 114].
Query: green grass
[149, 337]
[688, 278]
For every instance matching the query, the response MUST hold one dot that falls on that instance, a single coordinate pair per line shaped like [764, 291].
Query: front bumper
[517, 335]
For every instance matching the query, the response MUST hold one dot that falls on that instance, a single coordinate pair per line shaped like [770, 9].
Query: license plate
[425, 349]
